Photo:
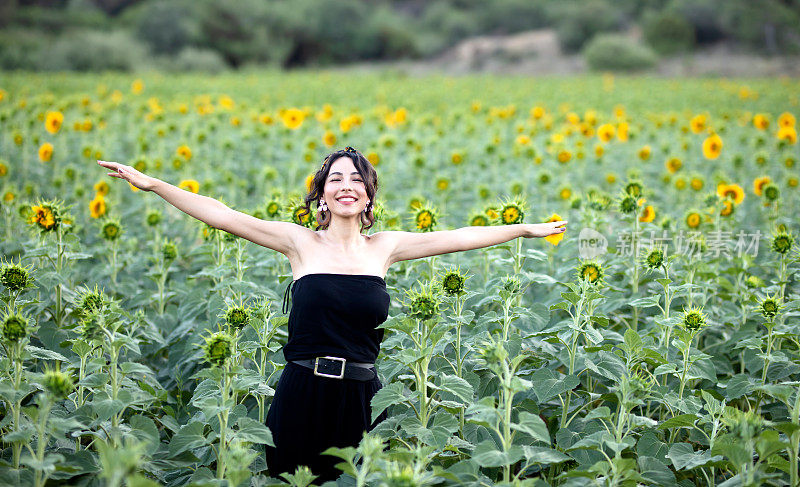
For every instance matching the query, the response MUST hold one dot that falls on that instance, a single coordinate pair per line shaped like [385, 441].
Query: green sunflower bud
[782, 243]
[693, 320]
[771, 192]
[153, 218]
[218, 348]
[15, 328]
[453, 283]
[237, 316]
[57, 384]
[15, 277]
[169, 251]
[655, 259]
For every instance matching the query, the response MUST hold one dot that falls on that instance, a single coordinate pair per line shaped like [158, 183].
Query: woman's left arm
[411, 245]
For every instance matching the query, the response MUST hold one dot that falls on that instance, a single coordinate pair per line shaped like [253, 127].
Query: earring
[366, 208]
[323, 206]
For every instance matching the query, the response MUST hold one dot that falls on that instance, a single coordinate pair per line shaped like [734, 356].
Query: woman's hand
[545, 229]
[134, 177]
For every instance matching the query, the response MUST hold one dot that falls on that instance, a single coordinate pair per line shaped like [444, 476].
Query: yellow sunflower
[674, 164]
[605, 132]
[648, 214]
[556, 237]
[759, 183]
[693, 219]
[101, 187]
[728, 207]
[97, 207]
[53, 121]
[184, 151]
[698, 123]
[788, 134]
[644, 152]
[329, 139]
[712, 146]
[622, 131]
[190, 185]
[786, 120]
[564, 156]
[760, 121]
[733, 191]
[293, 118]
[45, 152]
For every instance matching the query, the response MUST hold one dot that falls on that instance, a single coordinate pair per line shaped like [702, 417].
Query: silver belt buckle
[322, 374]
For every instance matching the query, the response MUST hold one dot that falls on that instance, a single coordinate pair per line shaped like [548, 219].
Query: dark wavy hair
[368, 175]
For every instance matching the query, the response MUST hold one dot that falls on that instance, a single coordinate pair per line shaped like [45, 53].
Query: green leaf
[486, 454]
[680, 421]
[458, 386]
[385, 397]
[656, 472]
[547, 384]
[533, 425]
[253, 431]
[738, 386]
[145, 430]
[542, 454]
[571, 297]
[187, 438]
[684, 457]
[646, 302]
[45, 354]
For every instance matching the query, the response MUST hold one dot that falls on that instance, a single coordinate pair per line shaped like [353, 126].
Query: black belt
[337, 368]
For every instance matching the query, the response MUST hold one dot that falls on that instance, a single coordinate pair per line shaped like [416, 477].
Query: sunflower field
[656, 342]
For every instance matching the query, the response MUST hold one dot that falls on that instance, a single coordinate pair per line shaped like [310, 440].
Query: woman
[323, 395]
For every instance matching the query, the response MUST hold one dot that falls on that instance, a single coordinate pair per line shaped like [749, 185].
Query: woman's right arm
[280, 236]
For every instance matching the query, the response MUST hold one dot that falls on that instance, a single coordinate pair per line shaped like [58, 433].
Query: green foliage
[668, 33]
[613, 52]
[578, 22]
[94, 50]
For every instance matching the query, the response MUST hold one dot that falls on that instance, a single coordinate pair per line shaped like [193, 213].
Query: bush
[20, 49]
[167, 27]
[579, 22]
[195, 59]
[668, 33]
[613, 52]
[703, 16]
[90, 50]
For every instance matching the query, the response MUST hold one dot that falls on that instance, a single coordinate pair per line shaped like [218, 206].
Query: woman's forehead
[343, 164]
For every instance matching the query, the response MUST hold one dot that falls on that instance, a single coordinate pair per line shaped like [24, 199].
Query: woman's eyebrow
[337, 172]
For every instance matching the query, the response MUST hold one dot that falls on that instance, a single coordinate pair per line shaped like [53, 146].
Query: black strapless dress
[331, 314]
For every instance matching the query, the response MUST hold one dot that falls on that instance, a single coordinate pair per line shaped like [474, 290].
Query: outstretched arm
[280, 236]
[409, 245]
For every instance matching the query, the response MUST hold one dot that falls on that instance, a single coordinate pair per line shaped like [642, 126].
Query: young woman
[339, 297]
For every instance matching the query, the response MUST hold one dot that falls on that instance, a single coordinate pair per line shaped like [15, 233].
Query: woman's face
[345, 192]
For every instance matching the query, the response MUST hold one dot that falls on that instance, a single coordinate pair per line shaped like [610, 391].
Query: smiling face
[345, 192]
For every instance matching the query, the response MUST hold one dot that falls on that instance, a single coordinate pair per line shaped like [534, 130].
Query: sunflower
[3, 169]
[673, 164]
[45, 152]
[693, 319]
[184, 151]
[512, 211]
[53, 122]
[787, 134]
[712, 146]
[758, 184]
[564, 156]
[442, 183]
[693, 219]
[698, 123]
[189, 185]
[733, 191]
[523, 139]
[727, 208]
[97, 207]
[697, 183]
[611, 178]
[644, 152]
[425, 219]
[309, 181]
[648, 214]
[44, 217]
[565, 193]
[599, 151]
[137, 86]
[782, 242]
[479, 220]
[111, 230]
[591, 272]
[537, 112]
[555, 238]
[760, 121]
[457, 157]
[786, 119]
[492, 213]
[680, 183]
[102, 188]
[293, 118]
